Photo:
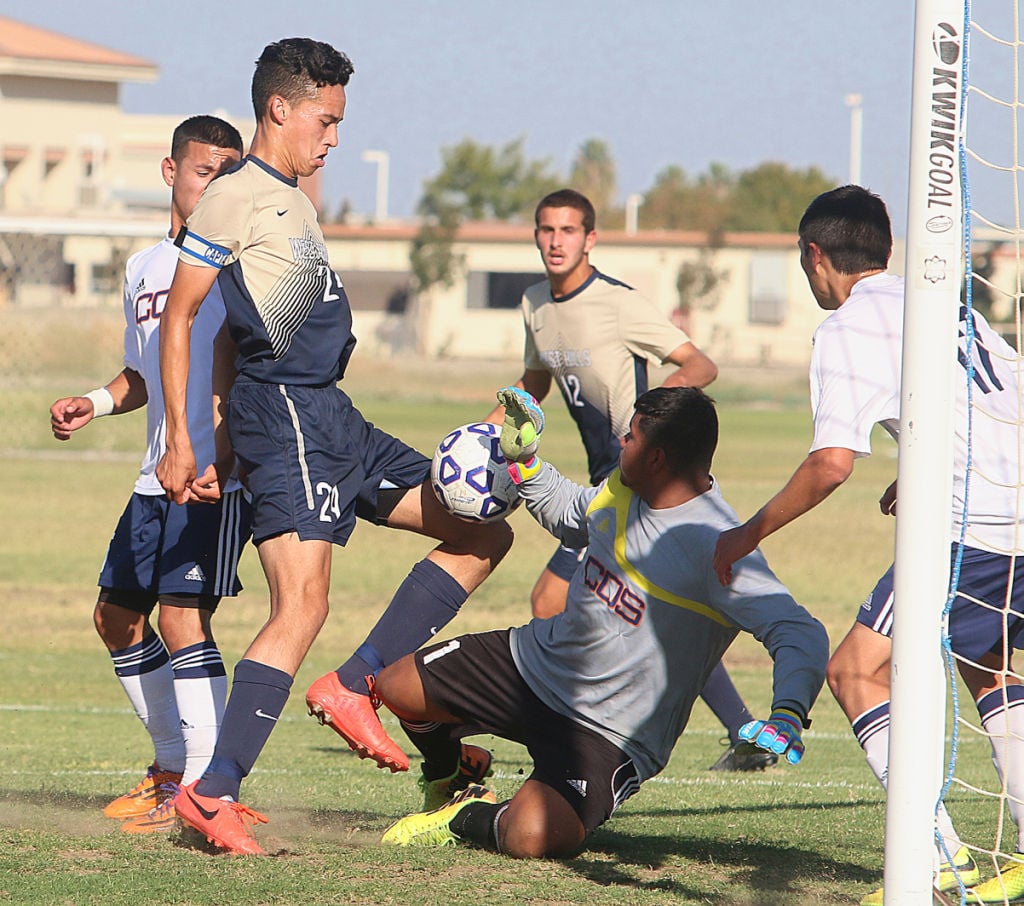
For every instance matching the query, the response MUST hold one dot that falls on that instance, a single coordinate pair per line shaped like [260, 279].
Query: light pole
[632, 212]
[853, 101]
[381, 159]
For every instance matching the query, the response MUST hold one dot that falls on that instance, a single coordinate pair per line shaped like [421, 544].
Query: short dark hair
[683, 422]
[295, 68]
[851, 226]
[207, 130]
[569, 198]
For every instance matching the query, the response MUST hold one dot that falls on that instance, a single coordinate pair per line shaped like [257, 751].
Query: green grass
[811, 834]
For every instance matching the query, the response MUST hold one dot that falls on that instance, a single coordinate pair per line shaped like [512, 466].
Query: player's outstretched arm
[124, 393]
[817, 477]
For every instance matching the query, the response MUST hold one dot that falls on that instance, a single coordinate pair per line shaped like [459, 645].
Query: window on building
[496, 289]
[767, 300]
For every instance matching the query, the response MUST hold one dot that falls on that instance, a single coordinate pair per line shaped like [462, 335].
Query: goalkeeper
[600, 692]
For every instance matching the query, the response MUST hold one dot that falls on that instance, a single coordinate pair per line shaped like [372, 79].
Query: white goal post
[933, 270]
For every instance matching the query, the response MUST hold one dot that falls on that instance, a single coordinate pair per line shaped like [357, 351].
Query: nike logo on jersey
[261, 713]
[282, 213]
[206, 813]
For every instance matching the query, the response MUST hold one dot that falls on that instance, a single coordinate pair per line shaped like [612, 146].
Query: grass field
[810, 834]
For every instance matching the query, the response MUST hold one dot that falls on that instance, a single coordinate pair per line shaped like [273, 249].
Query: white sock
[145, 674]
[1003, 720]
[201, 689]
[872, 731]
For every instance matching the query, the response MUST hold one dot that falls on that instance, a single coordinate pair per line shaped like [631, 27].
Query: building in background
[80, 191]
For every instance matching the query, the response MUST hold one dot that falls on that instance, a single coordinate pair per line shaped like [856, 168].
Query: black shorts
[473, 677]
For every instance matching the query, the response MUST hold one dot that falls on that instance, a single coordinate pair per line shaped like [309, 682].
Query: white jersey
[646, 619]
[855, 383]
[148, 276]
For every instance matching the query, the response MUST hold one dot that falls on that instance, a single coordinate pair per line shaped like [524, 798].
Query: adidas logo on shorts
[195, 574]
[580, 786]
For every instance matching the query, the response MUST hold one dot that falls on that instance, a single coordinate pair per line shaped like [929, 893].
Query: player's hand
[207, 488]
[887, 502]
[779, 734]
[69, 414]
[176, 471]
[524, 422]
[732, 545]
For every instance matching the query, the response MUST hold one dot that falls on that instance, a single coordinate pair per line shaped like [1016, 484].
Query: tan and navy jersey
[596, 342]
[646, 618]
[147, 280]
[286, 308]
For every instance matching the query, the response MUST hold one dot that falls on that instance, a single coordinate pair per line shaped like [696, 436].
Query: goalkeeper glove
[524, 422]
[779, 734]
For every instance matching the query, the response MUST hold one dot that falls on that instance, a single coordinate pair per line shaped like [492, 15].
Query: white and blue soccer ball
[470, 476]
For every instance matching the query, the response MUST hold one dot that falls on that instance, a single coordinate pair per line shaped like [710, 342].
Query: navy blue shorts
[163, 548]
[475, 678]
[565, 560]
[312, 462]
[977, 615]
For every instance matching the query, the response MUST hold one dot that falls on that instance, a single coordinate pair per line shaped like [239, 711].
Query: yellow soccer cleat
[1005, 887]
[431, 828]
[966, 867]
[474, 766]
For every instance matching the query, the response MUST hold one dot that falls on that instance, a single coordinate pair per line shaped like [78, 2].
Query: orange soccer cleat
[147, 795]
[224, 822]
[354, 717]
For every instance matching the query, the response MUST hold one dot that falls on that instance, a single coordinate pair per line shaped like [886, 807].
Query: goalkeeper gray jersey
[646, 618]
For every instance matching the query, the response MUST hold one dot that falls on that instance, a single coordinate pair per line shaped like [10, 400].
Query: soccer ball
[470, 476]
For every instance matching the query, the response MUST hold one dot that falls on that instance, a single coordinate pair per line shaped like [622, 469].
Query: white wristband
[102, 401]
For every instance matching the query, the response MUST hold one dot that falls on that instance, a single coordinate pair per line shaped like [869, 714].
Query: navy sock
[721, 697]
[425, 603]
[258, 695]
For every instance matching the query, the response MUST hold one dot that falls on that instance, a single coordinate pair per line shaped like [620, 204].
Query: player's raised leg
[427, 600]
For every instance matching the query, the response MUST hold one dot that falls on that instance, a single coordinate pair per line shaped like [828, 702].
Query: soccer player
[312, 462]
[600, 692]
[596, 337]
[845, 243]
[185, 558]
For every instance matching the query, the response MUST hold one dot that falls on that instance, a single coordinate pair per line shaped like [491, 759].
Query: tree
[675, 202]
[593, 174]
[476, 182]
[771, 198]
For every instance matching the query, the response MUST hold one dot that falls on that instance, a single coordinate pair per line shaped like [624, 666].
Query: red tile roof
[29, 42]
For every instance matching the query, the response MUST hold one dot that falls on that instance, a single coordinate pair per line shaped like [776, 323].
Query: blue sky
[661, 81]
